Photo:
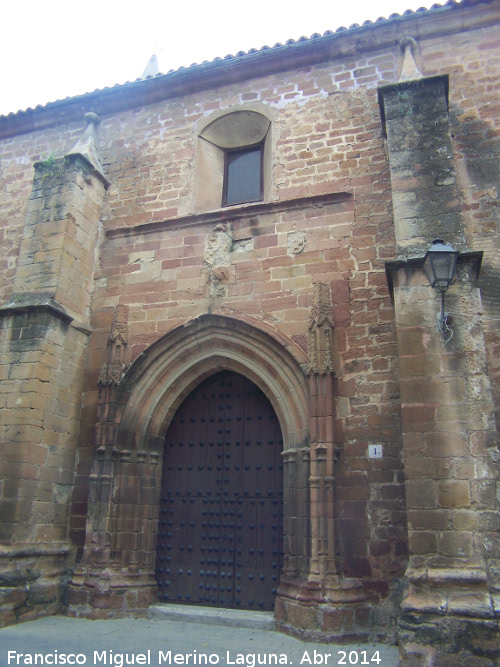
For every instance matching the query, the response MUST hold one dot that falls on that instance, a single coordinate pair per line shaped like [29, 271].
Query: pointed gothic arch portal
[126, 482]
[164, 375]
[220, 524]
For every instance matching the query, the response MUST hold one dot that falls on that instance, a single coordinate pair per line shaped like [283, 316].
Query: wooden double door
[221, 508]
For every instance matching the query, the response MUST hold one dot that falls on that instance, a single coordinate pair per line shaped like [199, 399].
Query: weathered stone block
[423, 542]
[302, 617]
[454, 543]
[421, 494]
[454, 493]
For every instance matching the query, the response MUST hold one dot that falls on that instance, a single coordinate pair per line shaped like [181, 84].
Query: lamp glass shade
[439, 264]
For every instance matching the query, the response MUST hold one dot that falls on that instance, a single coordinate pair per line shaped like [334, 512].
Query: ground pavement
[58, 640]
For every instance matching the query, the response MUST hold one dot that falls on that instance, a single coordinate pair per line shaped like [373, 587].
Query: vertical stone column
[109, 410]
[296, 463]
[321, 373]
[321, 600]
[449, 434]
[322, 566]
[116, 574]
[43, 338]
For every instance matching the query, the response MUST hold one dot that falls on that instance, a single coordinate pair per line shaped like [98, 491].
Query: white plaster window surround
[233, 161]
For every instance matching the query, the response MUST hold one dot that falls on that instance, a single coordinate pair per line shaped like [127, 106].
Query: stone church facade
[221, 380]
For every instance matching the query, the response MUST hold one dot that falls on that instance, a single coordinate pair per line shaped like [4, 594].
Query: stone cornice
[40, 303]
[114, 228]
[45, 167]
[27, 549]
[24, 303]
[385, 34]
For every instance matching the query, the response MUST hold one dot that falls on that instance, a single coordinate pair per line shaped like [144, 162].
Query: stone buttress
[44, 330]
[449, 435]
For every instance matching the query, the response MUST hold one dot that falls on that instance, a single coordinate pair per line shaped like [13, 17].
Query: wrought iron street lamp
[439, 265]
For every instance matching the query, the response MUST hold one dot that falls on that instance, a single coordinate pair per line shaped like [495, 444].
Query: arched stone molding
[161, 378]
[233, 128]
[118, 562]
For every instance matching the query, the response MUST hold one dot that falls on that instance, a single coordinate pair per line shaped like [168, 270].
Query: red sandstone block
[362, 463]
[419, 418]
[293, 192]
[420, 364]
[355, 493]
[265, 241]
[278, 262]
[279, 303]
[347, 387]
[337, 620]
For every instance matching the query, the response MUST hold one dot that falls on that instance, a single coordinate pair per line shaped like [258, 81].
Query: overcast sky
[52, 49]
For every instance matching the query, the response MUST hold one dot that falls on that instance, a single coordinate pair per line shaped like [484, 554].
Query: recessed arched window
[233, 159]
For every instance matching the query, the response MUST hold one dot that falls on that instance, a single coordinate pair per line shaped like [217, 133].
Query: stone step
[235, 618]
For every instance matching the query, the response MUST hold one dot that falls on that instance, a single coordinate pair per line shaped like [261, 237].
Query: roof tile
[242, 54]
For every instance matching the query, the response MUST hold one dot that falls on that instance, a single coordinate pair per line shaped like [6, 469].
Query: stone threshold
[234, 618]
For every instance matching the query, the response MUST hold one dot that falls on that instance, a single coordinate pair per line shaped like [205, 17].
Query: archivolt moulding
[158, 381]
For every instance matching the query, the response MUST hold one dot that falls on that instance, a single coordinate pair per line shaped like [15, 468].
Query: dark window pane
[243, 176]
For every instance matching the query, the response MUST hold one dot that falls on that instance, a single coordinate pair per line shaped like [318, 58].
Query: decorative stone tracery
[319, 335]
[218, 246]
[296, 242]
[113, 368]
[216, 260]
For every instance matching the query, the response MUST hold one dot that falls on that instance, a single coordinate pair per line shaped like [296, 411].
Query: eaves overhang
[453, 17]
